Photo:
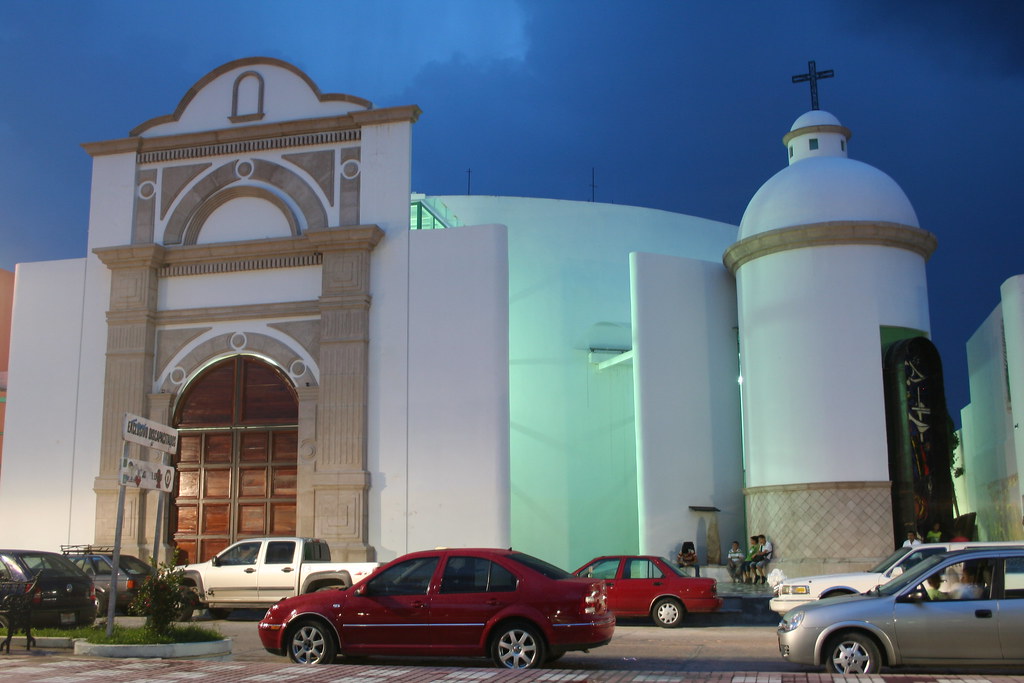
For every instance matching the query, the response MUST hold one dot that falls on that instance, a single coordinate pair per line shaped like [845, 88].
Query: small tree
[161, 597]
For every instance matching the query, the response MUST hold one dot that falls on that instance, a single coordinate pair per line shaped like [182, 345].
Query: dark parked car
[645, 585]
[64, 595]
[98, 562]
[520, 611]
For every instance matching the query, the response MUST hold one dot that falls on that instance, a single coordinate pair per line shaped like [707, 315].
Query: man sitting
[761, 559]
[687, 557]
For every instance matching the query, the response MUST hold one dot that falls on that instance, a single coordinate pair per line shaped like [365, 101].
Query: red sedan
[642, 585]
[477, 602]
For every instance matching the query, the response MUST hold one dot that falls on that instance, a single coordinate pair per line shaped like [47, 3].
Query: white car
[795, 592]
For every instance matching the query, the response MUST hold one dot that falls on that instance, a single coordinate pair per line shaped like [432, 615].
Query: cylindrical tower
[830, 263]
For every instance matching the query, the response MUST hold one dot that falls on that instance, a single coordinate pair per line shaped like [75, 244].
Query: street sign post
[140, 474]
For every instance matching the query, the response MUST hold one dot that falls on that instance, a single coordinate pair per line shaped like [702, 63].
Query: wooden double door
[237, 462]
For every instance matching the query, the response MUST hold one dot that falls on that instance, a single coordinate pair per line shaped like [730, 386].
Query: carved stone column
[131, 333]
[306, 476]
[341, 480]
[159, 411]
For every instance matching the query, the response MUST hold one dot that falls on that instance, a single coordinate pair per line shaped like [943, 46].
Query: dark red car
[467, 602]
[645, 585]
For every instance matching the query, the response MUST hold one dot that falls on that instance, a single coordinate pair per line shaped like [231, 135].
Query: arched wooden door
[238, 423]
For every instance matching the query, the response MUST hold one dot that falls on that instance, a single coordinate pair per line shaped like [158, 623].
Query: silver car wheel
[517, 648]
[854, 654]
[667, 613]
[309, 644]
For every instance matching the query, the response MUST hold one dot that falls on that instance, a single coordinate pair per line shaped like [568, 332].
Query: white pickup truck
[795, 592]
[257, 572]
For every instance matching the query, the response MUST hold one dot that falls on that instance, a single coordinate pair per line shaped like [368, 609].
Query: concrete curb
[44, 643]
[211, 650]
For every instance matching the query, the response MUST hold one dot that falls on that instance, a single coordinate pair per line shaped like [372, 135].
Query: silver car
[964, 607]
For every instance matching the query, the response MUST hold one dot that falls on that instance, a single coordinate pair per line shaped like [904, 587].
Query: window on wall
[237, 463]
[813, 143]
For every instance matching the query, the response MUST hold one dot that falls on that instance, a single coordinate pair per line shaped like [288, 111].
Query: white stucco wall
[110, 200]
[1012, 293]
[240, 289]
[573, 441]
[48, 464]
[811, 359]
[686, 365]
[988, 435]
[458, 457]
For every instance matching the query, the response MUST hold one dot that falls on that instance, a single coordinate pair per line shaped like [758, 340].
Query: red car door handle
[492, 602]
[419, 604]
[657, 583]
[983, 613]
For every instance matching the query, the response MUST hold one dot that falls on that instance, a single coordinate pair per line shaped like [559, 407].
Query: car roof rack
[87, 549]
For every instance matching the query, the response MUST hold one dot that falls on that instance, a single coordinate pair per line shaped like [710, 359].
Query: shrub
[161, 598]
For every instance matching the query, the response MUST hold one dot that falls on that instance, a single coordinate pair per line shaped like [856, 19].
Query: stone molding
[261, 136]
[806, 130]
[818, 485]
[249, 255]
[830, 233]
[212, 314]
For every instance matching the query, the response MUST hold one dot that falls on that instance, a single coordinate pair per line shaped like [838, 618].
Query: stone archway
[237, 464]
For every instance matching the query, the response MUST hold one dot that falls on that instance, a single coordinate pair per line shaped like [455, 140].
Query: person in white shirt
[734, 562]
[969, 588]
[912, 540]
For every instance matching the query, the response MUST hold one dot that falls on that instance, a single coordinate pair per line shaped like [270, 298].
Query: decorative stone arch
[198, 219]
[205, 196]
[239, 342]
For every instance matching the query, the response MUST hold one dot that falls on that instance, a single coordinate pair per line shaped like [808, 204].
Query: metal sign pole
[157, 532]
[116, 559]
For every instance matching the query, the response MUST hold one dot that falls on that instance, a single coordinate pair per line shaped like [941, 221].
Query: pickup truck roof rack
[87, 549]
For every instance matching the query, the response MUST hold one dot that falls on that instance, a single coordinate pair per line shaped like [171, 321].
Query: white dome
[815, 117]
[821, 184]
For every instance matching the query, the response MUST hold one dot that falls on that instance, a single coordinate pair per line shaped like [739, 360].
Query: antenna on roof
[593, 185]
[469, 181]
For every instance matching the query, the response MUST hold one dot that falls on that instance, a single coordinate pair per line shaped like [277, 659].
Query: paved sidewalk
[44, 669]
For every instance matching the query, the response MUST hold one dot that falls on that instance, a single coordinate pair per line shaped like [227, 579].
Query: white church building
[991, 438]
[391, 372]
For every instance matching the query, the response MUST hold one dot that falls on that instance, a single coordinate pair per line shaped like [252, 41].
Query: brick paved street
[46, 669]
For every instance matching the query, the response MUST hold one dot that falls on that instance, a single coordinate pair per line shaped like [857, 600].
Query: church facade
[392, 372]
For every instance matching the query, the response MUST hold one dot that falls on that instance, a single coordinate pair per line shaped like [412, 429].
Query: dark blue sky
[675, 105]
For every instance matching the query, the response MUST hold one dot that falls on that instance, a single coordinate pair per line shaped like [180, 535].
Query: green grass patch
[131, 635]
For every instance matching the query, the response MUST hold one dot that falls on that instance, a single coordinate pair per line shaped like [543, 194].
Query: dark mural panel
[920, 439]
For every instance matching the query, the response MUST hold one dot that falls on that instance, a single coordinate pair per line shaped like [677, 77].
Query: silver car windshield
[912, 577]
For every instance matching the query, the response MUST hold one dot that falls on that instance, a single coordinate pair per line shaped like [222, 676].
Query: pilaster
[341, 480]
[131, 334]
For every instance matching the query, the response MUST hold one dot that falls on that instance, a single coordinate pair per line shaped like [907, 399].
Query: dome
[821, 184]
[815, 117]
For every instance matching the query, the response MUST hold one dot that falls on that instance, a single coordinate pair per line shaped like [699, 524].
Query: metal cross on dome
[812, 75]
